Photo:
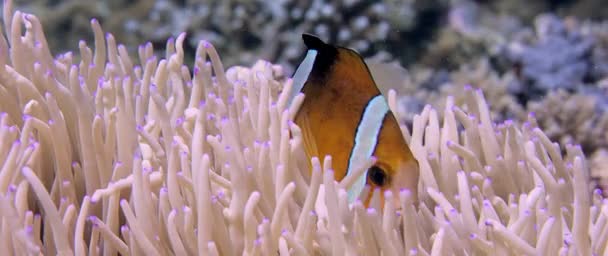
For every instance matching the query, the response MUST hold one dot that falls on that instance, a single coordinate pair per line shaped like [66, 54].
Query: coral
[572, 119]
[556, 69]
[103, 156]
[566, 117]
[598, 162]
[598, 58]
[555, 57]
[410, 31]
[555, 53]
[471, 32]
[69, 20]
[242, 30]
[589, 9]
[426, 86]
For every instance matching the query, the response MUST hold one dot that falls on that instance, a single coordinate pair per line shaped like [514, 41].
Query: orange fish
[345, 115]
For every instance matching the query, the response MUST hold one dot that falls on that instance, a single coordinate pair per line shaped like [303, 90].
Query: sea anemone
[102, 156]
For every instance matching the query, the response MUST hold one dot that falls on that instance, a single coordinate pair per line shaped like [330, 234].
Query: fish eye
[377, 176]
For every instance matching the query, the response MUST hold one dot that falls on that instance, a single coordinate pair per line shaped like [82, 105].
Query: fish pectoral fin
[310, 144]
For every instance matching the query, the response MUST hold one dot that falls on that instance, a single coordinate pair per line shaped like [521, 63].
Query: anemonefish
[345, 115]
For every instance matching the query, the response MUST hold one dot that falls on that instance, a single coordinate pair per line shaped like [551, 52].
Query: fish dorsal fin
[313, 42]
[316, 64]
[326, 55]
[301, 75]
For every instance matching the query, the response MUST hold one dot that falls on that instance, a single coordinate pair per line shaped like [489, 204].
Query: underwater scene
[314, 127]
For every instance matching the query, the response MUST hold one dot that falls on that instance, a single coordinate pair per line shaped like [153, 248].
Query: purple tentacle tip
[388, 193]
[371, 210]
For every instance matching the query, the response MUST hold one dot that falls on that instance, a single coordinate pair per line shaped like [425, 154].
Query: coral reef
[410, 31]
[104, 156]
[536, 53]
[556, 53]
[520, 67]
[566, 117]
[569, 118]
[555, 57]
[538, 67]
[432, 87]
[572, 118]
[243, 30]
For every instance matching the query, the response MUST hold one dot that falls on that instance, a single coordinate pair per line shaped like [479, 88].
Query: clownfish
[345, 115]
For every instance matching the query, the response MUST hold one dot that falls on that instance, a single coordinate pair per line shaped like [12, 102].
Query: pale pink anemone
[102, 156]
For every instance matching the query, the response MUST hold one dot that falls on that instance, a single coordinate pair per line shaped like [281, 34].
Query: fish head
[396, 169]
